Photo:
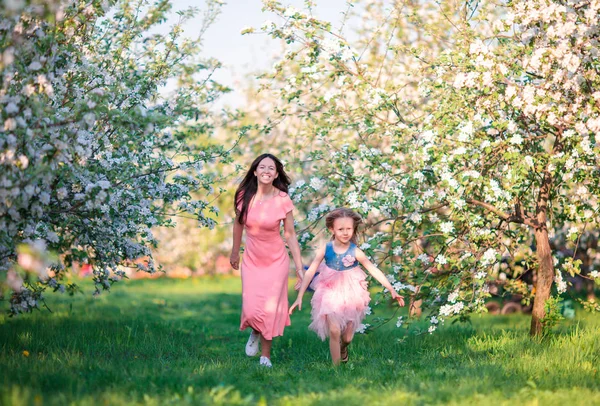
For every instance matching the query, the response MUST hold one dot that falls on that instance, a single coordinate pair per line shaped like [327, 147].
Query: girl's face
[343, 229]
[266, 171]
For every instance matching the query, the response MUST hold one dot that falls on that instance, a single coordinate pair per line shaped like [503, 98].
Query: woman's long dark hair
[247, 189]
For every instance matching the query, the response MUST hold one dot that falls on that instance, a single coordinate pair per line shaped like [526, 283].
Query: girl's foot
[252, 344]
[265, 362]
[344, 354]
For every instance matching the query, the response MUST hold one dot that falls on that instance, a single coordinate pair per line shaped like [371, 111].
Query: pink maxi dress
[265, 268]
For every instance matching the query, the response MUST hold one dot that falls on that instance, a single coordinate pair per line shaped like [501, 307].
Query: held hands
[297, 303]
[398, 298]
[299, 278]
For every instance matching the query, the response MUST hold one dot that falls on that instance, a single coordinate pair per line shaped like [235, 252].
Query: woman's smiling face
[266, 171]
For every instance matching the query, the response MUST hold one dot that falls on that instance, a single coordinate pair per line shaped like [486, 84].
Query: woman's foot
[265, 362]
[344, 354]
[252, 344]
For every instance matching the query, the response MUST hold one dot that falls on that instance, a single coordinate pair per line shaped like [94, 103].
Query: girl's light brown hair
[341, 213]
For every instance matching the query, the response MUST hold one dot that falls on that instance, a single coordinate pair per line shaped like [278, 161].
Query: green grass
[161, 342]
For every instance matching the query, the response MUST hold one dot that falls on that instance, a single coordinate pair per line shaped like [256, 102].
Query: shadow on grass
[161, 339]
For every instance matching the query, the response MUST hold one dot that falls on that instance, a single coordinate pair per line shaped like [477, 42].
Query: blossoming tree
[519, 118]
[464, 133]
[95, 150]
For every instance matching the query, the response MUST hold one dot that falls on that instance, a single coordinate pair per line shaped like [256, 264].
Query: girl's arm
[234, 258]
[308, 275]
[377, 274]
[290, 237]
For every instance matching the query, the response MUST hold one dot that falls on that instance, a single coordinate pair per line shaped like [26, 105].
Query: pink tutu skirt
[340, 297]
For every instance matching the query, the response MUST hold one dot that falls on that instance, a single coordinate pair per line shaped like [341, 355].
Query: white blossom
[35, 66]
[489, 257]
[424, 258]
[516, 139]
[362, 328]
[104, 184]
[480, 275]
[290, 11]
[447, 227]
[529, 161]
[11, 108]
[317, 183]
[415, 217]
[561, 284]
[572, 232]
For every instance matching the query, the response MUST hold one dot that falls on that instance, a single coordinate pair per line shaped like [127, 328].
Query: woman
[261, 203]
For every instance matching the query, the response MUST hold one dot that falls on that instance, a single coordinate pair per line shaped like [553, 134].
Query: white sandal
[264, 361]
[252, 344]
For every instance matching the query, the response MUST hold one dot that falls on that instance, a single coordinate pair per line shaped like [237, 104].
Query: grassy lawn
[177, 342]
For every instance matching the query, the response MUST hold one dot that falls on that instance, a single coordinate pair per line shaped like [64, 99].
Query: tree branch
[518, 217]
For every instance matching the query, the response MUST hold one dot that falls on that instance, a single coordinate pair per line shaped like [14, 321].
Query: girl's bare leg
[347, 336]
[334, 342]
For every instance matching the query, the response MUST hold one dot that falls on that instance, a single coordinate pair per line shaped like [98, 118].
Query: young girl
[341, 296]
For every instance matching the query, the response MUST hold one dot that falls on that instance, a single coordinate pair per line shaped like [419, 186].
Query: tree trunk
[545, 277]
[545, 271]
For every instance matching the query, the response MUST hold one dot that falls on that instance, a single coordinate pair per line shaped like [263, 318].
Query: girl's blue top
[334, 261]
